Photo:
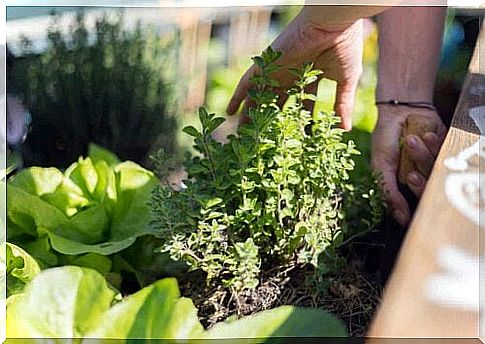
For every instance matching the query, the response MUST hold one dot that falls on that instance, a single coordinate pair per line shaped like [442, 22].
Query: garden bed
[268, 217]
[352, 297]
[274, 217]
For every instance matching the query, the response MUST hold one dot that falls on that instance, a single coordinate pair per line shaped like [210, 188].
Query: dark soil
[352, 296]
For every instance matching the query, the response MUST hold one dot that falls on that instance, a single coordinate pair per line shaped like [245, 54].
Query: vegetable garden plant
[274, 199]
[254, 232]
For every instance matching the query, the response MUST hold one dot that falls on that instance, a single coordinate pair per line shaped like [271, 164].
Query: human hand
[335, 49]
[386, 152]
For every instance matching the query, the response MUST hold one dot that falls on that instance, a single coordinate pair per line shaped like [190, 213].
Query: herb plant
[275, 195]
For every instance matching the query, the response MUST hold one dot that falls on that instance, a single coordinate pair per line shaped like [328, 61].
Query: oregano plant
[277, 193]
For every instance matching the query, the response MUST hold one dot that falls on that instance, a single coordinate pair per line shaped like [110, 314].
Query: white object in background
[458, 285]
[466, 191]
[460, 162]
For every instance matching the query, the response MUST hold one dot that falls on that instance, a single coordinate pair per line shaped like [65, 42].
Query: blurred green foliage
[108, 86]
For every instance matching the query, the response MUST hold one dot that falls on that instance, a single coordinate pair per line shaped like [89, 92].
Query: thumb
[344, 103]
[397, 204]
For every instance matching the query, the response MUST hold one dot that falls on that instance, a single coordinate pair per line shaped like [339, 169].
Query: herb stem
[209, 156]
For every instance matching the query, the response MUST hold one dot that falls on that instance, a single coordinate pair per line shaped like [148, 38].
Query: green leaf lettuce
[75, 302]
[98, 205]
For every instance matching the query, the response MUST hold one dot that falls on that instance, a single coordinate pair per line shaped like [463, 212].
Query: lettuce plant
[275, 195]
[96, 208]
[77, 303]
[21, 268]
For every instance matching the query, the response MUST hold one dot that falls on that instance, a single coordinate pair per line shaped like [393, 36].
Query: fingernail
[411, 142]
[414, 179]
[399, 216]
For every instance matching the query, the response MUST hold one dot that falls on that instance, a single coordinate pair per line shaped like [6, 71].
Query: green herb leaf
[192, 131]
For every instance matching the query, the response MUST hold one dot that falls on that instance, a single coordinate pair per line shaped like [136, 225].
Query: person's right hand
[386, 152]
[334, 49]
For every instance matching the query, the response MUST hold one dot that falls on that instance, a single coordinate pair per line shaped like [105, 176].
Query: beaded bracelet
[421, 105]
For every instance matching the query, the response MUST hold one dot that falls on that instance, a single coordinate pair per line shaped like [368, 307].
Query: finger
[397, 204]
[420, 154]
[243, 117]
[416, 183]
[241, 92]
[248, 103]
[344, 103]
[432, 142]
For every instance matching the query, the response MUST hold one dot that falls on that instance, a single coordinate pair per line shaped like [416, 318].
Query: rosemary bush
[108, 87]
[276, 194]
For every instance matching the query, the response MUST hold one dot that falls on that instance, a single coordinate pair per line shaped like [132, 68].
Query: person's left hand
[386, 152]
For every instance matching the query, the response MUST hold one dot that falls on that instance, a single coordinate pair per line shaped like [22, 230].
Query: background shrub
[109, 87]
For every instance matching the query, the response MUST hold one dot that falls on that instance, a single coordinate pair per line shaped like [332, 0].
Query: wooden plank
[443, 219]
[247, 33]
[194, 44]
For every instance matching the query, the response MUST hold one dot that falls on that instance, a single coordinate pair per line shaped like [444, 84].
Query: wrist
[412, 105]
[388, 112]
[339, 17]
[405, 81]
[404, 90]
[325, 18]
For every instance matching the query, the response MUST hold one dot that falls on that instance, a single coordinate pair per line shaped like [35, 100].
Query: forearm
[338, 17]
[409, 48]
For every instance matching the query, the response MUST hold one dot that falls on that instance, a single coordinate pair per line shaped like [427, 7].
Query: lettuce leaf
[98, 205]
[68, 301]
[21, 268]
[284, 321]
[97, 153]
[74, 302]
